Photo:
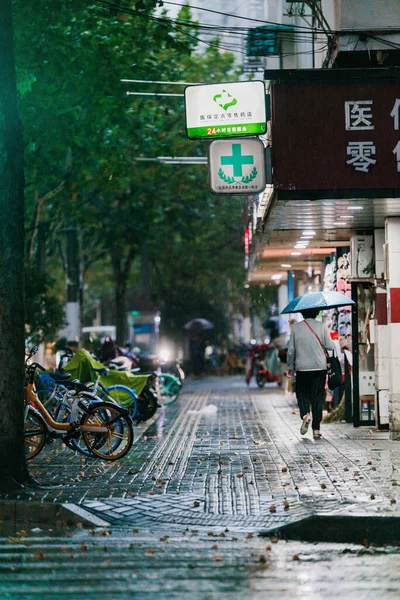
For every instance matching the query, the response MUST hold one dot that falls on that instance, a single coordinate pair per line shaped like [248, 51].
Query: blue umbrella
[321, 300]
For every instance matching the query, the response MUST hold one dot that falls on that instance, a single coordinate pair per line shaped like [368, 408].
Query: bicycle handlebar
[31, 369]
[35, 366]
[31, 352]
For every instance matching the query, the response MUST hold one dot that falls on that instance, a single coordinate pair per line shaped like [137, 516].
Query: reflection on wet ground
[183, 512]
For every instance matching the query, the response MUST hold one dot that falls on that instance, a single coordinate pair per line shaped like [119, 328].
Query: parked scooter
[262, 373]
[264, 365]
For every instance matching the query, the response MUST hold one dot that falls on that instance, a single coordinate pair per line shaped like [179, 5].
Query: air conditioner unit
[362, 257]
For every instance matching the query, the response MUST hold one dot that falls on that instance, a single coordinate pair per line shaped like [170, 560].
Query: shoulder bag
[332, 364]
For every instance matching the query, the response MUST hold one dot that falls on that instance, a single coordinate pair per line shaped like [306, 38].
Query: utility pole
[42, 229]
[73, 328]
[13, 469]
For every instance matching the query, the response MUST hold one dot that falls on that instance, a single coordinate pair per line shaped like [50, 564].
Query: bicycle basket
[44, 381]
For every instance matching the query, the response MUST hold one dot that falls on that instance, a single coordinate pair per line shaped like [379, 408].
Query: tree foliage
[83, 135]
[44, 314]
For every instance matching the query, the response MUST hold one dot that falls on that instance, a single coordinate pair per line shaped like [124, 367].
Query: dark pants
[337, 395]
[198, 364]
[310, 392]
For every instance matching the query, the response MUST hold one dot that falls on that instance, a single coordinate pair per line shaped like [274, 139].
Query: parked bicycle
[141, 408]
[105, 427]
[58, 399]
[49, 390]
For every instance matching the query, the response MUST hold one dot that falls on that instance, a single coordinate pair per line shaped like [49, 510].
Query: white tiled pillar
[283, 300]
[246, 330]
[73, 327]
[392, 239]
[381, 336]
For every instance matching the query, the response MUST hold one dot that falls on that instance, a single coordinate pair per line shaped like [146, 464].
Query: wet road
[162, 564]
[182, 513]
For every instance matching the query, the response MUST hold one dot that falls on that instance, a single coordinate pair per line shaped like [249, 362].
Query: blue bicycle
[58, 396]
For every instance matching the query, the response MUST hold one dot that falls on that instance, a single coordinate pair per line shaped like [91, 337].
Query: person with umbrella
[309, 340]
[307, 359]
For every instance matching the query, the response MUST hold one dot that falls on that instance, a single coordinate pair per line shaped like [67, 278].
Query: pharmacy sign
[225, 110]
[237, 166]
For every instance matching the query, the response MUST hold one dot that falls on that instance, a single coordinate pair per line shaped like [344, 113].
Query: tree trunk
[12, 319]
[119, 297]
[121, 271]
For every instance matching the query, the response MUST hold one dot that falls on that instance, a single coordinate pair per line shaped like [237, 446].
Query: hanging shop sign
[336, 136]
[225, 110]
[237, 166]
[247, 243]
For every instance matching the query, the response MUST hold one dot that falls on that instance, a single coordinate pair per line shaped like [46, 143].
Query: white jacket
[304, 351]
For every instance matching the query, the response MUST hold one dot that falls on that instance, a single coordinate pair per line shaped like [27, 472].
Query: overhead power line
[302, 32]
[163, 21]
[298, 31]
[121, 8]
[219, 45]
[242, 18]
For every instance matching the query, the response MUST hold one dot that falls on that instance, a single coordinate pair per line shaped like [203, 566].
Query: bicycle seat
[60, 376]
[78, 385]
[120, 363]
[101, 370]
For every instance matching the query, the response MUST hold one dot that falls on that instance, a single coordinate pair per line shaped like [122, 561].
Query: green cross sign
[247, 159]
[237, 160]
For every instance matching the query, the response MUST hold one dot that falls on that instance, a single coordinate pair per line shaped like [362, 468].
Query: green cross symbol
[237, 160]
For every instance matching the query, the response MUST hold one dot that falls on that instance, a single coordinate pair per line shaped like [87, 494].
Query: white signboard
[224, 110]
[237, 166]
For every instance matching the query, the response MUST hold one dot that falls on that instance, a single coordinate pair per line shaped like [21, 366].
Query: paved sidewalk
[235, 465]
[182, 512]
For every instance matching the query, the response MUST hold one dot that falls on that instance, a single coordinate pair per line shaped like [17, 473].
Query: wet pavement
[181, 514]
[192, 565]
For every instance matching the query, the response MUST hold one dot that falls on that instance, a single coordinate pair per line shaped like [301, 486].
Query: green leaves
[80, 126]
[25, 81]
[44, 310]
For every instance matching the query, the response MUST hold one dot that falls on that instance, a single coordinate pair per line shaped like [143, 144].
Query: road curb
[47, 514]
[351, 528]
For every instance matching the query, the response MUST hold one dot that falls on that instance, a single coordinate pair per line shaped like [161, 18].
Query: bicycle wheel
[147, 405]
[124, 396]
[76, 443]
[117, 441]
[260, 379]
[170, 388]
[35, 433]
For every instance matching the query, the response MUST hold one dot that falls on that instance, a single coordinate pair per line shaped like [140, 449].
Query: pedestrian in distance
[306, 358]
[197, 350]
